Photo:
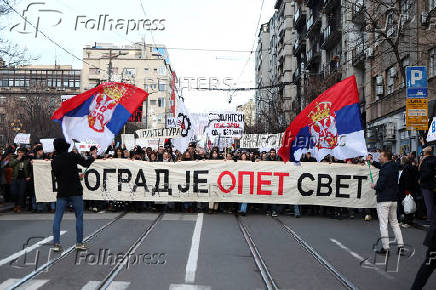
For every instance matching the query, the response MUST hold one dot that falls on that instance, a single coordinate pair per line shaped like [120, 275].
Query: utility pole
[111, 56]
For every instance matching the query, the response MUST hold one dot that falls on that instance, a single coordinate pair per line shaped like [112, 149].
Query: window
[431, 4]
[153, 102]
[405, 62]
[155, 69]
[390, 25]
[2, 118]
[162, 71]
[94, 71]
[162, 86]
[2, 100]
[390, 79]
[146, 69]
[405, 7]
[161, 102]
[432, 62]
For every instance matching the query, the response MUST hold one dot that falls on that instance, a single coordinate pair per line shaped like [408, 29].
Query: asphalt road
[201, 251]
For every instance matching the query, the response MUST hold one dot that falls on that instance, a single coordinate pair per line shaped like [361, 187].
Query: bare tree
[31, 114]
[11, 54]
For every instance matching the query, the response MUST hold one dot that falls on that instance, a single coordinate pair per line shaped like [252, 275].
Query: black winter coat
[409, 180]
[427, 171]
[387, 188]
[66, 174]
[430, 238]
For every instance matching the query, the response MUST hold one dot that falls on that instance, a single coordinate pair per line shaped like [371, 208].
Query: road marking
[27, 250]
[329, 267]
[191, 265]
[31, 285]
[188, 287]
[115, 285]
[65, 253]
[120, 265]
[360, 258]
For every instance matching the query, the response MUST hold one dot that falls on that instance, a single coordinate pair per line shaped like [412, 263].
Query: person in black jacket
[408, 184]
[429, 264]
[427, 170]
[387, 192]
[64, 166]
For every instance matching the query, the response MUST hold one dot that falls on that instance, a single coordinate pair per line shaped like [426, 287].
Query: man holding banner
[387, 192]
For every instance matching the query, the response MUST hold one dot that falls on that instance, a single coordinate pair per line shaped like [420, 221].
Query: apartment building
[334, 39]
[144, 65]
[274, 62]
[410, 27]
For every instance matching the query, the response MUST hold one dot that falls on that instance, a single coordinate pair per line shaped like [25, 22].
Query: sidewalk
[6, 206]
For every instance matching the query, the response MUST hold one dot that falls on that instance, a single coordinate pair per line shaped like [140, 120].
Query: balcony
[358, 13]
[331, 36]
[358, 56]
[313, 24]
[299, 44]
[299, 18]
[313, 55]
[297, 74]
[329, 5]
[333, 70]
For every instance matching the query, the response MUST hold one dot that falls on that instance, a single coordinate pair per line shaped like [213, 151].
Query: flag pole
[370, 173]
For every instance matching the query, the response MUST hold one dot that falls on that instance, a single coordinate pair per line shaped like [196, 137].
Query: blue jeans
[61, 203]
[297, 210]
[243, 207]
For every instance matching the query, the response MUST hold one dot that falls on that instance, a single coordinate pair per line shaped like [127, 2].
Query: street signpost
[416, 98]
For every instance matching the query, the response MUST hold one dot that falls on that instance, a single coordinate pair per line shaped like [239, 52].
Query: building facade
[274, 62]
[33, 91]
[145, 66]
[334, 39]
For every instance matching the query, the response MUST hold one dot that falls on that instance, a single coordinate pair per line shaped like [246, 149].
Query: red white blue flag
[96, 116]
[331, 124]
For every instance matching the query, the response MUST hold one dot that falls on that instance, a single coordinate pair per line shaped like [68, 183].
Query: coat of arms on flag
[323, 126]
[331, 124]
[96, 116]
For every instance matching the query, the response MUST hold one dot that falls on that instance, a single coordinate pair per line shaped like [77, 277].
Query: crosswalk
[35, 284]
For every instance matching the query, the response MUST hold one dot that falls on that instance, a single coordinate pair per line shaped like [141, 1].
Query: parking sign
[416, 76]
[416, 98]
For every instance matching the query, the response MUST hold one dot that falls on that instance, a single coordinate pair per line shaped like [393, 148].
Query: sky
[209, 24]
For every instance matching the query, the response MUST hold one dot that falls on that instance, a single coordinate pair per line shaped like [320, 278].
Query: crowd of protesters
[17, 181]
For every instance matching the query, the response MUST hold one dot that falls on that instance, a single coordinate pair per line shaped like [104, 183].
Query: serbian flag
[96, 116]
[331, 124]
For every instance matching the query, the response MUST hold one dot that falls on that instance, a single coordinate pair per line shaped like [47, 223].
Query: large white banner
[343, 185]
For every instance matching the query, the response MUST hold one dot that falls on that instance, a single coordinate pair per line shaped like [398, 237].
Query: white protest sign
[226, 124]
[159, 133]
[263, 142]
[22, 138]
[47, 145]
[128, 140]
[340, 185]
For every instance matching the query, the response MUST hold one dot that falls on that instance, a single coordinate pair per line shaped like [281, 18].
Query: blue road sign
[420, 93]
[416, 76]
